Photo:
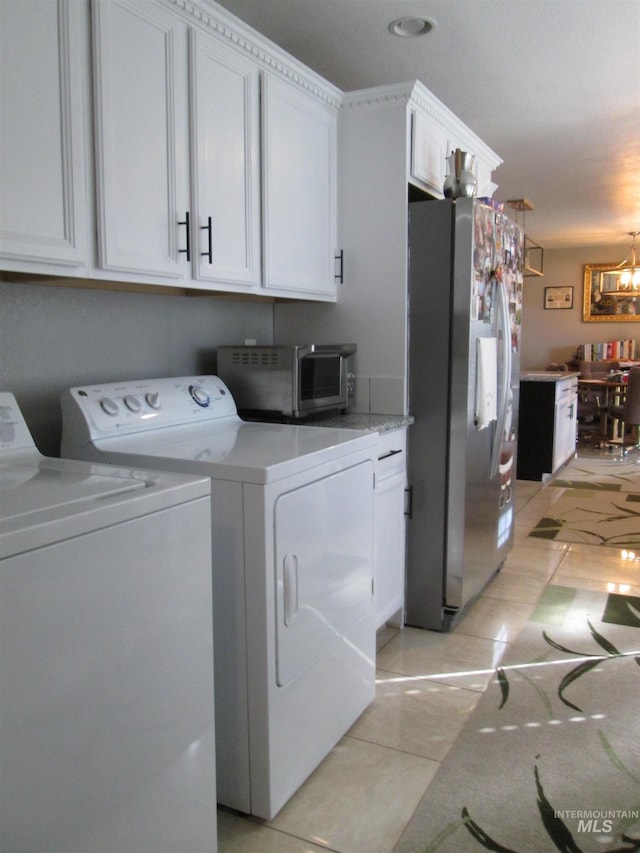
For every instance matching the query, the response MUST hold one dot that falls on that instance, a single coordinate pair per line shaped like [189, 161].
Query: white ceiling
[553, 86]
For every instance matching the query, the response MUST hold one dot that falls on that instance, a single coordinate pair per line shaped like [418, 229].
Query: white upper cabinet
[226, 170]
[435, 133]
[141, 118]
[389, 137]
[42, 155]
[198, 183]
[299, 191]
[178, 150]
[429, 150]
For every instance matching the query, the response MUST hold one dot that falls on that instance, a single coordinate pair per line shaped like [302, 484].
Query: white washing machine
[107, 740]
[292, 522]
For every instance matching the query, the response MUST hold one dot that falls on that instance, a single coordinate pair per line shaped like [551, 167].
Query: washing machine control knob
[153, 399]
[199, 395]
[109, 406]
[132, 403]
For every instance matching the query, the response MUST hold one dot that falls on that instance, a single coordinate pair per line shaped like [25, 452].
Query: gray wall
[555, 335]
[52, 338]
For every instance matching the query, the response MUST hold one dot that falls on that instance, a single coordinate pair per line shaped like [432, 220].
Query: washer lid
[48, 500]
[33, 490]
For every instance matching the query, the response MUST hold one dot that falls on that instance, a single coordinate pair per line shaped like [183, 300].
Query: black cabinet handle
[209, 252]
[387, 455]
[408, 502]
[186, 251]
[339, 277]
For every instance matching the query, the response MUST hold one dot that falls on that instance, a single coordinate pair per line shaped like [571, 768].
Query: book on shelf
[626, 350]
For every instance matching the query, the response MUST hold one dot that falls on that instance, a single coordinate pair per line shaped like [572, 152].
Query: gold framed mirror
[604, 301]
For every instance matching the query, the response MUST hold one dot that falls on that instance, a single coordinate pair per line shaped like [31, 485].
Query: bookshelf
[626, 350]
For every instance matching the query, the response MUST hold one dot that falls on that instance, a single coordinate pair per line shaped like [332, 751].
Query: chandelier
[628, 273]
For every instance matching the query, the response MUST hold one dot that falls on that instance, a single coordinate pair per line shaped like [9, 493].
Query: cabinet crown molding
[415, 94]
[378, 97]
[215, 19]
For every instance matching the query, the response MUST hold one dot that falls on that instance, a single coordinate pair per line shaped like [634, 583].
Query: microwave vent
[256, 357]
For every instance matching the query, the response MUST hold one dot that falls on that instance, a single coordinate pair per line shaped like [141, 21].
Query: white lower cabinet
[42, 151]
[390, 528]
[565, 422]
[547, 423]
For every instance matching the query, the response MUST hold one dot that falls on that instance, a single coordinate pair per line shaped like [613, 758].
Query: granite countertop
[547, 375]
[354, 420]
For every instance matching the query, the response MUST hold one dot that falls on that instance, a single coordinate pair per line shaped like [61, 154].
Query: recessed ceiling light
[411, 27]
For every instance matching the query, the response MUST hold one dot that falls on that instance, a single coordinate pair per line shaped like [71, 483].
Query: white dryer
[107, 740]
[292, 525]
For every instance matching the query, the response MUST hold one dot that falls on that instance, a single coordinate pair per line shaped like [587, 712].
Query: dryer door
[324, 566]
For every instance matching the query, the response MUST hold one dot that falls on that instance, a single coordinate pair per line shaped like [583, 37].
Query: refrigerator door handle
[505, 362]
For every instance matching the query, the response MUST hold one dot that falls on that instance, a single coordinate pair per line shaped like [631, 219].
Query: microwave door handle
[329, 349]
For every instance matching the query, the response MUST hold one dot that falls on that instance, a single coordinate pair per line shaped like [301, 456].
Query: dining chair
[593, 399]
[629, 413]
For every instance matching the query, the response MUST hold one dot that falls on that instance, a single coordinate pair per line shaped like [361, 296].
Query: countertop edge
[550, 376]
[361, 421]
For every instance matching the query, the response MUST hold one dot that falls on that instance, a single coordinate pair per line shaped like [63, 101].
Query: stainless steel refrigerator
[465, 303]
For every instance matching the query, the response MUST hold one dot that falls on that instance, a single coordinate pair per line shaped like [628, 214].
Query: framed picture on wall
[558, 297]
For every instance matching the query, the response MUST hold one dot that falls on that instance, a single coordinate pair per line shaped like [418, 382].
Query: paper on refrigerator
[486, 402]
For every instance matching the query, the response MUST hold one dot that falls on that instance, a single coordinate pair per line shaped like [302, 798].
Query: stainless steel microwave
[289, 381]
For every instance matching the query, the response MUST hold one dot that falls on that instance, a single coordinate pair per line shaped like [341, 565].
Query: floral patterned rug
[599, 504]
[550, 758]
[604, 472]
[594, 517]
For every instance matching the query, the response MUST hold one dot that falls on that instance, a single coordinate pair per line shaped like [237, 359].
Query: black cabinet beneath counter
[547, 421]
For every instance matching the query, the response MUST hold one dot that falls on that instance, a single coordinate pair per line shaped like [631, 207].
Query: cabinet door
[42, 201]
[564, 438]
[299, 174]
[389, 554]
[428, 152]
[560, 429]
[141, 89]
[225, 164]
[323, 567]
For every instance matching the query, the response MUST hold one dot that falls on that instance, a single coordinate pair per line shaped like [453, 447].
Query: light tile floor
[363, 794]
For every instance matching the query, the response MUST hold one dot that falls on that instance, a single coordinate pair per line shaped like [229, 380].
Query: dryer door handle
[290, 584]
